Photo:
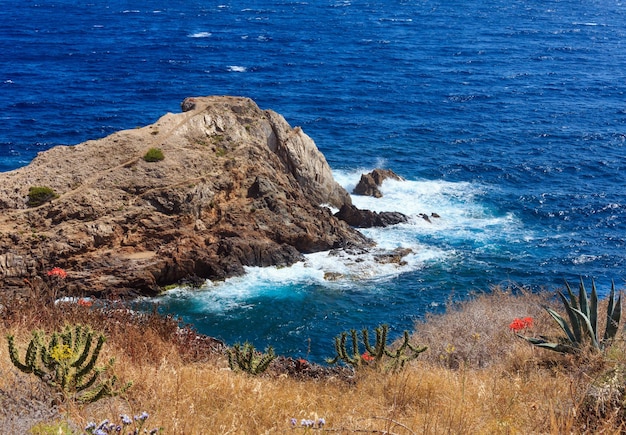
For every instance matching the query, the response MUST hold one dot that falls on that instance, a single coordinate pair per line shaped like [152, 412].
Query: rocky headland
[236, 186]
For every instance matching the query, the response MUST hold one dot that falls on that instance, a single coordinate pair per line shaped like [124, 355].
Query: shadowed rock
[367, 218]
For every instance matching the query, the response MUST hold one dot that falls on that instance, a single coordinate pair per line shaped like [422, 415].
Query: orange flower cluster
[57, 271]
[519, 324]
[84, 302]
[367, 357]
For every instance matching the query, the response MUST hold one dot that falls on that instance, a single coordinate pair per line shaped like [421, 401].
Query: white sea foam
[330, 270]
[236, 68]
[397, 20]
[585, 258]
[463, 220]
[448, 199]
[200, 35]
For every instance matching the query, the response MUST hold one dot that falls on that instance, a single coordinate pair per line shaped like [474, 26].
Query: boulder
[369, 183]
[366, 218]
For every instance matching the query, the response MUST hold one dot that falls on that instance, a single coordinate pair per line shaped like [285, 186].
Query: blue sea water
[506, 117]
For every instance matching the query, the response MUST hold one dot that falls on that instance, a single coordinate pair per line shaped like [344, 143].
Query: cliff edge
[237, 186]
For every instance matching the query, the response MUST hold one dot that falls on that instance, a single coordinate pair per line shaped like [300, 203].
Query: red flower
[516, 325]
[84, 302]
[367, 357]
[519, 324]
[528, 321]
[57, 271]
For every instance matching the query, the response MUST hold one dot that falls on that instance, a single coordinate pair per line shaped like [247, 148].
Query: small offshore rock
[369, 183]
[394, 257]
[332, 276]
[366, 218]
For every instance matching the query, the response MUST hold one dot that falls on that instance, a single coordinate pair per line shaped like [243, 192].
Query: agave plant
[582, 313]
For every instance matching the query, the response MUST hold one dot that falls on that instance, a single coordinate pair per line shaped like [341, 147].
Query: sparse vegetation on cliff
[154, 155]
[38, 195]
[477, 376]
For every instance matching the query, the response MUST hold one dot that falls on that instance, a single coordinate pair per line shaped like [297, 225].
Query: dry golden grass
[476, 378]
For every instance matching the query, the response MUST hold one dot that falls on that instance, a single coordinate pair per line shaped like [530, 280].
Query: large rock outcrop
[237, 186]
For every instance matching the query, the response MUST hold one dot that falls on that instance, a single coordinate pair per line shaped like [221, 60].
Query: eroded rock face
[237, 187]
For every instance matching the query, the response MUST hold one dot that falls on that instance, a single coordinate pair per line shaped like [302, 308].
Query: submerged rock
[394, 257]
[237, 186]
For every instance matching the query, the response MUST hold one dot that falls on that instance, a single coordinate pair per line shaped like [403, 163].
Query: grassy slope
[476, 377]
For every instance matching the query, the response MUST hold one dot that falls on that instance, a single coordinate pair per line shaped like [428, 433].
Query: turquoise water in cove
[507, 118]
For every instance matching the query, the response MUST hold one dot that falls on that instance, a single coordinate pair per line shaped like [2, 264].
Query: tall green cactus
[379, 354]
[247, 359]
[582, 313]
[68, 363]
[354, 359]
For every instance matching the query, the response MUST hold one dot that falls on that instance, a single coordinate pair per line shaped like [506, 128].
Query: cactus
[355, 359]
[68, 363]
[248, 360]
[376, 354]
[582, 313]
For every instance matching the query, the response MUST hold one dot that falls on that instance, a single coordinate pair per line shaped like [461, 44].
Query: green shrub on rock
[154, 155]
[38, 195]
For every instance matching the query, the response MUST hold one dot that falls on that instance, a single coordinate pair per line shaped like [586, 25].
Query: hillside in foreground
[476, 377]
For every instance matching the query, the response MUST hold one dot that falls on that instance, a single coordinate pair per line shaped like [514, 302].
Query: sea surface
[506, 117]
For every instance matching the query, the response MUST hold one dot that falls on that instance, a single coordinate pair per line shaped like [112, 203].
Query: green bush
[154, 155]
[38, 195]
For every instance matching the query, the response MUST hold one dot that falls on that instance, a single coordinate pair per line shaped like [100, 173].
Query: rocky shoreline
[235, 186]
